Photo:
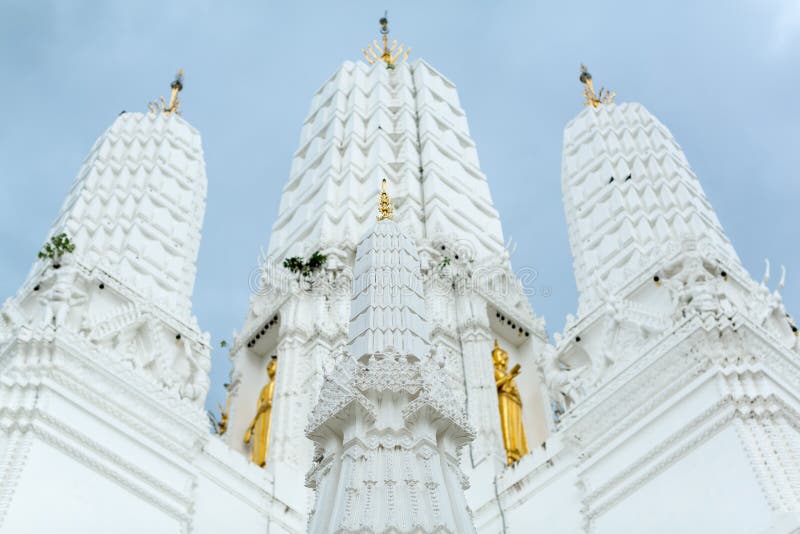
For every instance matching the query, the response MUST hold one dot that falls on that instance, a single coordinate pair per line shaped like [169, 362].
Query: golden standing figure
[510, 406]
[260, 427]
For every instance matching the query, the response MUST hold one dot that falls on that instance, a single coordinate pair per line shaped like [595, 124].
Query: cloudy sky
[725, 81]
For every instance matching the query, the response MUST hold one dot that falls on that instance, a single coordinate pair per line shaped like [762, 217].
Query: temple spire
[385, 207]
[389, 54]
[592, 99]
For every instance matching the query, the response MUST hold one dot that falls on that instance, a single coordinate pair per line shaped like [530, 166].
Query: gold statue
[222, 426]
[260, 426]
[174, 101]
[603, 97]
[391, 54]
[385, 207]
[510, 406]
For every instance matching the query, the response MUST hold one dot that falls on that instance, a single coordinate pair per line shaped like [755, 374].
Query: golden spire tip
[390, 54]
[592, 99]
[385, 207]
[174, 102]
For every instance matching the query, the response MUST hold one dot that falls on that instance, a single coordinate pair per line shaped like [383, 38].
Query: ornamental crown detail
[389, 54]
[603, 97]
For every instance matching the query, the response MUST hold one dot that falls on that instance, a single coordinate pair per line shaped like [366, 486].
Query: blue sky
[723, 77]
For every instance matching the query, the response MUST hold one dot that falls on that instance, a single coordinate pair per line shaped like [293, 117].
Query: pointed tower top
[592, 99]
[385, 207]
[390, 54]
[174, 101]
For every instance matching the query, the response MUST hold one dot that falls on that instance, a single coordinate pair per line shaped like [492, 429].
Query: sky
[724, 81]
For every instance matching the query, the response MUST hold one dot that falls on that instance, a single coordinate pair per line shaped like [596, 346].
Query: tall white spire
[387, 430]
[631, 199]
[134, 214]
[404, 123]
[136, 207]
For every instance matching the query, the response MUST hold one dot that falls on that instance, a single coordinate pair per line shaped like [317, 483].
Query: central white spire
[386, 429]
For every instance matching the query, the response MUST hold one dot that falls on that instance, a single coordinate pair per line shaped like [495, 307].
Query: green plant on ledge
[297, 265]
[55, 249]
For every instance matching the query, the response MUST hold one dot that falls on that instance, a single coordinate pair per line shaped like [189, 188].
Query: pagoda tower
[677, 386]
[385, 118]
[387, 430]
[103, 367]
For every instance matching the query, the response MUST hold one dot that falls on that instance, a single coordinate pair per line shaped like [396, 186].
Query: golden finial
[603, 97]
[385, 207]
[174, 101]
[390, 54]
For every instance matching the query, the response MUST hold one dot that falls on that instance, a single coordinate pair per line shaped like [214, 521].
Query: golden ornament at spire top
[592, 99]
[174, 101]
[390, 54]
[385, 207]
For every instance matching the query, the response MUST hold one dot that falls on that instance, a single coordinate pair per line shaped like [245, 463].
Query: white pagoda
[391, 376]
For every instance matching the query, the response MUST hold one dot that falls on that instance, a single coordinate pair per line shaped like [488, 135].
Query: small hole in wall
[577, 339]
[102, 285]
[36, 287]
[178, 337]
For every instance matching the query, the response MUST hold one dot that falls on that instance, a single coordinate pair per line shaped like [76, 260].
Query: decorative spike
[385, 207]
[591, 99]
[174, 100]
[389, 54]
[366, 56]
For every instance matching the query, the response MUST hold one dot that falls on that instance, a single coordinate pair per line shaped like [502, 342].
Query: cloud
[786, 26]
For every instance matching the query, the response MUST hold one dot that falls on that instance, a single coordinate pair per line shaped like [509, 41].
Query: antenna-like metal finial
[390, 54]
[592, 99]
[174, 101]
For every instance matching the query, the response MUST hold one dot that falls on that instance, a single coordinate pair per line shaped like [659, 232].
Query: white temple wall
[47, 498]
[711, 488]
[541, 498]
[69, 465]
